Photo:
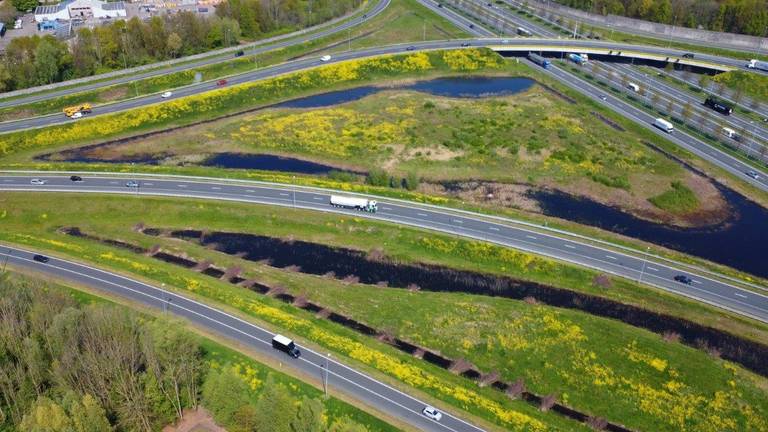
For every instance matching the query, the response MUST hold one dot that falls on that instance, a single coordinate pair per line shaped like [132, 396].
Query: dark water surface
[740, 242]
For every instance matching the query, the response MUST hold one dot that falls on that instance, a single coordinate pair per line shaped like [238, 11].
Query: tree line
[34, 60]
[748, 17]
[98, 368]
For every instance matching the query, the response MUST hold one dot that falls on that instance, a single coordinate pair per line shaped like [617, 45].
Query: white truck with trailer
[361, 204]
[664, 125]
[757, 64]
[282, 343]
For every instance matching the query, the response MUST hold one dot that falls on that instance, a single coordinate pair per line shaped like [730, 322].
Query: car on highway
[166, 95]
[688, 55]
[221, 82]
[683, 279]
[40, 258]
[325, 58]
[36, 181]
[410, 48]
[132, 184]
[76, 115]
[75, 178]
[432, 412]
[439, 5]
[602, 97]
[465, 44]
[240, 53]
[471, 26]
[753, 174]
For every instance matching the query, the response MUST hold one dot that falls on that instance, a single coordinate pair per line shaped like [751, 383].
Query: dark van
[282, 343]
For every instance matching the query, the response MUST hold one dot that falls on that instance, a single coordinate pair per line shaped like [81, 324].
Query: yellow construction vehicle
[84, 108]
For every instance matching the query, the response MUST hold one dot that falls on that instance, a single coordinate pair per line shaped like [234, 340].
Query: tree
[24, 5]
[173, 45]
[8, 12]
[275, 408]
[686, 112]
[309, 417]
[346, 425]
[46, 416]
[86, 414]
[411, 181]
[224, 393]
[704, 81]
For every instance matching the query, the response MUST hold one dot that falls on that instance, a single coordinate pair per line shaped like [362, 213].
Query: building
[80, 9]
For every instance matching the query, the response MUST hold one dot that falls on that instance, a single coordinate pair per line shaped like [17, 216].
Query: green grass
[751, 84]
[219, 355]
[556, 351]
[678, 200]
[395, 24]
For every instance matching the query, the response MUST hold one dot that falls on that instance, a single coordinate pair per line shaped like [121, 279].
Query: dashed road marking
[250, 191]
[696, 282]
[531, 237]
[215, 188]
[182, 186]
[458, 221]
[739, 295]
[493, 228]
[422, 214]
[318, 198]
[610, 257]
[569, 246]
[284, 194]
[653, 269]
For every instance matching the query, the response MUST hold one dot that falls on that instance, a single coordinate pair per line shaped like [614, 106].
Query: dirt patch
[487, 193]
[114, 93]
[17, 115]
[199, 420]
[438, 153]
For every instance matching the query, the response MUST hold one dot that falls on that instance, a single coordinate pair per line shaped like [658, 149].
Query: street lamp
[326, 365]
[645, 261]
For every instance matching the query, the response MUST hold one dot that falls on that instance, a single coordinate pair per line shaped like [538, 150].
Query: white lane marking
[386, 208]
[531, 237]
[458, 221]
[696, 282]
[739, 295]
[284, 194]
[181, 185]
[215, 188]
[422, 214]
[250, 191]
[149, 184]
[8, 180]
[242, 321]
[610, 257]
[492, 228]
[569, 246]
[652, 268]
[319, 198]
[113, 182]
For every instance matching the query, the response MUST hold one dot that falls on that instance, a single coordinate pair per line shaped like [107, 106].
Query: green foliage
[224, 394]
[411, 181]
[276, 409]
[309, 417]
[679, 200]
[734, 16]
[752, 84]
[377, 177]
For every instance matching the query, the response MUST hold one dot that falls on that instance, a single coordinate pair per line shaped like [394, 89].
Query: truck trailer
[664, 125]
[282, 343]
[718, 105]
[757, 64]
[361, 204]
[539, 60]
[84, 108]
[576, 58]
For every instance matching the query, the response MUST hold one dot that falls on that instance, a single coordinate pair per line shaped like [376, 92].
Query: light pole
[326, 365]
[642, 269]
[293, 186]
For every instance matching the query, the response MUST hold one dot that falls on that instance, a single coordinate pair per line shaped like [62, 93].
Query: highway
[680, 97]
[345, 379]
[259, 47]
[656, 273]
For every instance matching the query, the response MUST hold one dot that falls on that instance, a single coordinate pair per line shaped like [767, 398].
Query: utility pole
[645, 260]
[326, 365]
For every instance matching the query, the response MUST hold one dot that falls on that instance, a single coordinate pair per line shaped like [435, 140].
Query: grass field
[750, 84]
[586, 361]
[395, 24]
[253, 373]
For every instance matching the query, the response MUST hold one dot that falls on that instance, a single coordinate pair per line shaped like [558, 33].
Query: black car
[76, 178]
[683, 279]
[472, 26]
[687, 55]
[440, 5]
[41, 258]
[465, 44]
[240, 53]
[410, 48]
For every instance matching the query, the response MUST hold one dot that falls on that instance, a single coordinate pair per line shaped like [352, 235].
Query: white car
[753, 174]
[37, 181]
[432, 413]
[76, 115]
[325, 58]
[166, 95]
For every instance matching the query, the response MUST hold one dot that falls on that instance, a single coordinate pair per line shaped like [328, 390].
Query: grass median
[579, 357]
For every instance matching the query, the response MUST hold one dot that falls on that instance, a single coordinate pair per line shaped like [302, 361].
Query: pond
[267, 162]
[740, 242]
[456, 87]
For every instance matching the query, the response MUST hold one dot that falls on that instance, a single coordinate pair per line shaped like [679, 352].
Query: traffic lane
[730, 297]
[701, 149]
[257, 49]
[365, 388]
[457, 19]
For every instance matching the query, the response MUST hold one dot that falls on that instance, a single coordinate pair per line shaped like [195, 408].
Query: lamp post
[326, 365]
[645, 261]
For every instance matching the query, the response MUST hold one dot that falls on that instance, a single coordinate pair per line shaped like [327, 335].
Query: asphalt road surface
[655, 273]
[261, 47]
[339, 376]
